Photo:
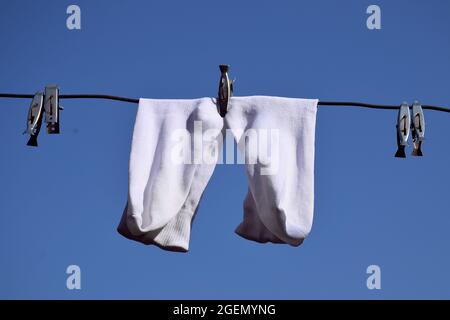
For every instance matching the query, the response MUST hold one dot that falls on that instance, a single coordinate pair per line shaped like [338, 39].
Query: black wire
[97, 96]
[132, 100]
[73, 96]
[357, 104]
[376, 106]
[14, 95]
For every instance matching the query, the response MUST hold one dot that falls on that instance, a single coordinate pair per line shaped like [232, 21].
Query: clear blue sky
[61, 203]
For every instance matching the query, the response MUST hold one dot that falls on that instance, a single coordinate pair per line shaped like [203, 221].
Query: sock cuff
[174, 236]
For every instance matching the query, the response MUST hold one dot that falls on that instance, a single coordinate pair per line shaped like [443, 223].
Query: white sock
[280, 201]
[164, 192]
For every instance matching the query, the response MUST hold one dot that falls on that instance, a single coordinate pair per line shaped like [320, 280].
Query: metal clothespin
[225, 90]
[403, 128]
[52, 108]
[34, 119]
[418, 129]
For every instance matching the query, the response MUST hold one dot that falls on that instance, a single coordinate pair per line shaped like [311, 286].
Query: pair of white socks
[176, 145]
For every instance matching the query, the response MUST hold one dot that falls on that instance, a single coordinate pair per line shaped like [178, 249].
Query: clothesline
[134, 100]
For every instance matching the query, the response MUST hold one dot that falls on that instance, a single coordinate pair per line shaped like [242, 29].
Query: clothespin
[225, 90]
[34, 119]
[403, 128]
[418, 129]
[44, 105]
[51, 106]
